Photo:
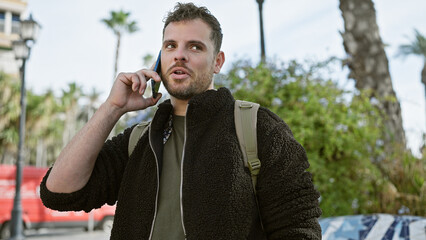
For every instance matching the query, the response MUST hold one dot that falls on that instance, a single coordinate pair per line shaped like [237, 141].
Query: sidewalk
[66, 234]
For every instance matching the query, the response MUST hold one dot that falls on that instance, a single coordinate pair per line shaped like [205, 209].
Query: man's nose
[181, 55]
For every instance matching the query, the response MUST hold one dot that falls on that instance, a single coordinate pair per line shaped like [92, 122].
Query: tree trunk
[424, 84]
[40, 152]
[117, 51]
[368, 64]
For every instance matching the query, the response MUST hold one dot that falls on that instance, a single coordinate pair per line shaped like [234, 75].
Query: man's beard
[200, 85]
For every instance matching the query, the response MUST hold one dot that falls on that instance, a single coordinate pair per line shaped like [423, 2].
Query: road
[65, 234]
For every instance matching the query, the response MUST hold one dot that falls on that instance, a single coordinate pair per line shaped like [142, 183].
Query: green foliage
[44, 127]
[148, 60]
[9, 111]
[406, 189]
[50, 120]
[339, 129]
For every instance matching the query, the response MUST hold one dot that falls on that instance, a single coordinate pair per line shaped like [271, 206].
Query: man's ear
[220, 59]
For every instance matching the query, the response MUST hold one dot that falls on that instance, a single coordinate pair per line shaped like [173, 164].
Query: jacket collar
[201, 108]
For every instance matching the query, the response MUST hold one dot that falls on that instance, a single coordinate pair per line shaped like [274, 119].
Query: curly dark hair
[188, 11]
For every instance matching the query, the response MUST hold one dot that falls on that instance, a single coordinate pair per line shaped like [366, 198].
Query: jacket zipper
[181, 177]
[158, 185]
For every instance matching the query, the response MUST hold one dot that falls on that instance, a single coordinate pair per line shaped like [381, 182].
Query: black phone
[154, 85]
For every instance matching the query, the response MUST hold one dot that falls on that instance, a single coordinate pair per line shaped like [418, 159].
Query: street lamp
[29, 32]
[262, 39]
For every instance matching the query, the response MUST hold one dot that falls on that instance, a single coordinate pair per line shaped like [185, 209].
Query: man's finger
[134, 78]
[143, 82]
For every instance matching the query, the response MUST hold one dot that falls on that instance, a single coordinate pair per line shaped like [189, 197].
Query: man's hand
[75, 164]
[127, 92]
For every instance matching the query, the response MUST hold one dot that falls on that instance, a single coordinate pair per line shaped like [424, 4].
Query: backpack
[245, 115]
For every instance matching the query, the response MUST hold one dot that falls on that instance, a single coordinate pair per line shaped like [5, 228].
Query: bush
[339, 129]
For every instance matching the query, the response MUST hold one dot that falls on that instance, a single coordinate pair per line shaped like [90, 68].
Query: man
[186, 178]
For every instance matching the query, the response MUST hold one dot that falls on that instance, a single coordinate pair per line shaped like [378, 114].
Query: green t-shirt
[168, 223]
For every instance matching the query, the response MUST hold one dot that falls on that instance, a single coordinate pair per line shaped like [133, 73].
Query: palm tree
[71, 109]
[91, 106]
[417, 47]
[42, 112]
[119, 23]
[369, 65]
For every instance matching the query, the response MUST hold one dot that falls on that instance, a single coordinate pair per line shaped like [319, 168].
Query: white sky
[75, 46]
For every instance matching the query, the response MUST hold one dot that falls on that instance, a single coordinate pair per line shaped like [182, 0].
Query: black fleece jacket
[216, 192]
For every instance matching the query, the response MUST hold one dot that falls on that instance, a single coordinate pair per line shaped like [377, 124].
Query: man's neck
[179, 106]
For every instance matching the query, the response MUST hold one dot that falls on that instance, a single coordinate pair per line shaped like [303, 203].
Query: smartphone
[156, 85]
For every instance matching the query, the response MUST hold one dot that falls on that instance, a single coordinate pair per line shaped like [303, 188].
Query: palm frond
[421, 42]
[415, 47]
[119, 22]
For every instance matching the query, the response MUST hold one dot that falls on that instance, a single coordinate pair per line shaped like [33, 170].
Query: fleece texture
[217, 195]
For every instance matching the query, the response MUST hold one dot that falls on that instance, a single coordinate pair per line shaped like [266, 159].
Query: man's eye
[170, 46]
[195, 47]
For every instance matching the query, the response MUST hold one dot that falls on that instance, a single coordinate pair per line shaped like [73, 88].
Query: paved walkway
[65, 234]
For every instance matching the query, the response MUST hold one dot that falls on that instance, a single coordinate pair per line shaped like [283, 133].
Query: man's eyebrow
[198, 43]
[165, 42]
[191, 42]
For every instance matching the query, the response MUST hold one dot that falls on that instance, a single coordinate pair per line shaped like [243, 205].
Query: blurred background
[346, 75]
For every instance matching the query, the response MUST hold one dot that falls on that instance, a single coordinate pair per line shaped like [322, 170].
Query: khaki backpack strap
[245, 125]
[245, 114]
[136, 134]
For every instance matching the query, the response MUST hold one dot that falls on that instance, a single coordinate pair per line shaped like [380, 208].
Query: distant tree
[368, 65]
[91, 105]
[120, 24]
[44, 128]
[417, 47]
[9, 117]
[69, 104]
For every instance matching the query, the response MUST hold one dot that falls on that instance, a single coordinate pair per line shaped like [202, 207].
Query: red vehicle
[34, 214]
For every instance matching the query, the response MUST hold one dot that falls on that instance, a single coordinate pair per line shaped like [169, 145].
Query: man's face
[188, 59]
